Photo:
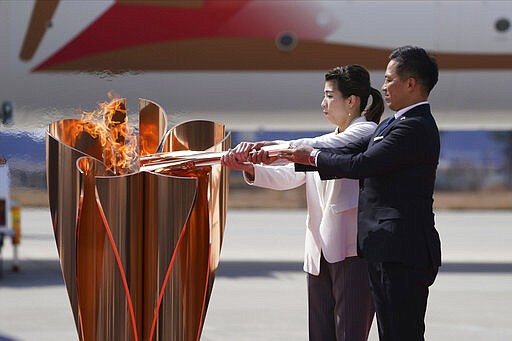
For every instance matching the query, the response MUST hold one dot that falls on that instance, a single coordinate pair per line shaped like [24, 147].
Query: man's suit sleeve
[407, 143]
[350, 148]
[305, 168]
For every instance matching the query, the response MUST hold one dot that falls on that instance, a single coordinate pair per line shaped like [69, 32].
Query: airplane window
[286, 41]
[502, 25]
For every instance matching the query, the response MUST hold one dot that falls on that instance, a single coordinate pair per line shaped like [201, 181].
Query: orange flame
[109, 124]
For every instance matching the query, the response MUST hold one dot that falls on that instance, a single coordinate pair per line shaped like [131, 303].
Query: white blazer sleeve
[354, 132]
[277, 177]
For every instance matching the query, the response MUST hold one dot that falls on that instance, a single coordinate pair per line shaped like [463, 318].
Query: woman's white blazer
[331, 205]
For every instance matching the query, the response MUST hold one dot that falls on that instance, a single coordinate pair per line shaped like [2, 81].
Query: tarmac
[260, 289]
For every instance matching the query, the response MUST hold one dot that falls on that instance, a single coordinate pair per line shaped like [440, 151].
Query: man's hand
[297, 155]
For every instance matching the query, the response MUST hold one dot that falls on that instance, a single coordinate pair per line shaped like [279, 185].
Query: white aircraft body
[253, 65]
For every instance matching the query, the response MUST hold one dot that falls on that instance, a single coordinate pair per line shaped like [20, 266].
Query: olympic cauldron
[138, 237]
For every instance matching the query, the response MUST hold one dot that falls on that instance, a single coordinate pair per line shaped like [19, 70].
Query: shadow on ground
[33, 273]
[264, 269]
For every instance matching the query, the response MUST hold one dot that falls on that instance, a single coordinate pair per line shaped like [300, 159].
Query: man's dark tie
[388, 122]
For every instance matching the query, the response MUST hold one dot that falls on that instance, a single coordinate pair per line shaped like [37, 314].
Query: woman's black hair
[355, 80]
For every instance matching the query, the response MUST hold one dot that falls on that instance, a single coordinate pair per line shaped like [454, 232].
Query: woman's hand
[231, 161]
[244, 149]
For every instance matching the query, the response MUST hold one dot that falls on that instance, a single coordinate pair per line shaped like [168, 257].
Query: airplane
[255, 65]
[251, 64]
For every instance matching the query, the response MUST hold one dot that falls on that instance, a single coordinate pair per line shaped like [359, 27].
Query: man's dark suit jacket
[397, 169]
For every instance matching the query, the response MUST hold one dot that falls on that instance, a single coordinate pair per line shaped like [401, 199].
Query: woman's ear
[353, 100]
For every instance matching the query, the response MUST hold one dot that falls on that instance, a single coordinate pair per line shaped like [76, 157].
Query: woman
[339, 300]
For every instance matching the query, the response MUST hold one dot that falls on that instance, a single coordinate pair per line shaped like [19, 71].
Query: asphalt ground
[260, 289]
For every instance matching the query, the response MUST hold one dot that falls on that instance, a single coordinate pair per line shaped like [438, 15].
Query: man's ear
[412, 83]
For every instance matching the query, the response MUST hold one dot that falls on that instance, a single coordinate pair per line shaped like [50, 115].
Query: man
[396, 166]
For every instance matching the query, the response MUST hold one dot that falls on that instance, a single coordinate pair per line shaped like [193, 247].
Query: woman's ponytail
[376, 109]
